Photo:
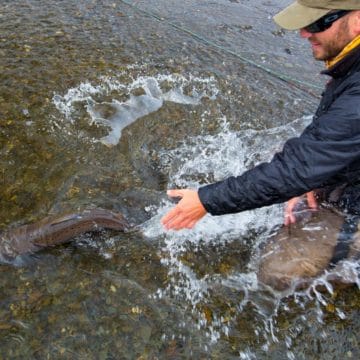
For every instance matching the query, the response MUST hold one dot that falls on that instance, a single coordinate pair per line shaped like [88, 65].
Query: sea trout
[52, 231]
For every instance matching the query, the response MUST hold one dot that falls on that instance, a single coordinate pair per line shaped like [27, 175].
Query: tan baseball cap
[302, 13]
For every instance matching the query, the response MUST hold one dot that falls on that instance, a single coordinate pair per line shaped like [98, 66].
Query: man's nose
[305, 34]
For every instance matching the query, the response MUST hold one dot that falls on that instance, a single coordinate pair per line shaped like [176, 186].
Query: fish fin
[65, 218]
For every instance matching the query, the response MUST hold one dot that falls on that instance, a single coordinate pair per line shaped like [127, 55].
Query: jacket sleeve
[325, 148]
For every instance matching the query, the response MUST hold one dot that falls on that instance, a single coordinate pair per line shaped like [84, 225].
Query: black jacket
[326, 153]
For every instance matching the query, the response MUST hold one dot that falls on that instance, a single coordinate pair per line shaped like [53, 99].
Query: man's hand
[290, 216]
[186, 213]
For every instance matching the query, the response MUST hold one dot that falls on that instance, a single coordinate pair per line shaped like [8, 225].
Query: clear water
[104, 105]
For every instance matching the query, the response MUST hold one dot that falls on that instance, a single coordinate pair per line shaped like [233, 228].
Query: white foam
[179, 89]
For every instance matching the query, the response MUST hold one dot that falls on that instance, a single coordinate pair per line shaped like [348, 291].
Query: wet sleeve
[326, 147]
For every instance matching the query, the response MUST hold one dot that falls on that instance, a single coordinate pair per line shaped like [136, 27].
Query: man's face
[329, 43]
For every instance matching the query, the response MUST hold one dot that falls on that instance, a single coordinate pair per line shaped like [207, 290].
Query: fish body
[52, 231]
[300, 252]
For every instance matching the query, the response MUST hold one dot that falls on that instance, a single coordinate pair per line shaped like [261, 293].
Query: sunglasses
[325, 22]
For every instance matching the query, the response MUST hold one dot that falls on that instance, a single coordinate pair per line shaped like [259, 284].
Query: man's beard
[335, 45]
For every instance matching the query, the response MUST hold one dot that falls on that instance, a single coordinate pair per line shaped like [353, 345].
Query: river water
[109, 103]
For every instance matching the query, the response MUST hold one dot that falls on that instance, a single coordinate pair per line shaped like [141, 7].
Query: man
[326, 155]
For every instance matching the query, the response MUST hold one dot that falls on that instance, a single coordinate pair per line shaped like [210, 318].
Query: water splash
[131, 99]
[220, 155]
[211, 158]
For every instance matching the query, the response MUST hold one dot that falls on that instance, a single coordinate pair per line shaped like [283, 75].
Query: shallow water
[103, 104]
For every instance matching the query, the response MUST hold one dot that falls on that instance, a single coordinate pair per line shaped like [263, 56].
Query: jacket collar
[351, 62]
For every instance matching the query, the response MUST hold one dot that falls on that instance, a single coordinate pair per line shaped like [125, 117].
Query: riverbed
[108, 104]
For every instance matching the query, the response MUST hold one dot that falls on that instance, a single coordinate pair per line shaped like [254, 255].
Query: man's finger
[289, 217]
[191, 224]
[175, 223]
[170, 216]
[310, 196]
